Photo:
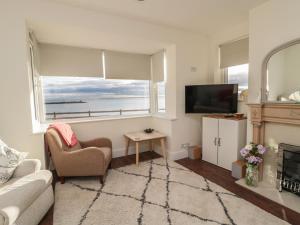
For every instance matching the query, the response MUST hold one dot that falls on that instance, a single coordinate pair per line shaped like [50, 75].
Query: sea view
[81, 97]
[106, 104]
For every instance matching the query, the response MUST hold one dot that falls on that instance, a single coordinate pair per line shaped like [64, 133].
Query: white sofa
[27, 196]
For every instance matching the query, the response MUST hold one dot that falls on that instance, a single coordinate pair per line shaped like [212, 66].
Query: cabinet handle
[215, 141]
[219, 141]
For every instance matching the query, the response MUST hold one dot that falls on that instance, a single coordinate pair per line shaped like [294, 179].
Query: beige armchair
[89, 158]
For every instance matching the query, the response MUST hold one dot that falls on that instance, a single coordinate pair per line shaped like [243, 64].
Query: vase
[251, 175]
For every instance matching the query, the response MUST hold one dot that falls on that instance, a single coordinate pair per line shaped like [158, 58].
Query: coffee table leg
[127, 146]
[137, 152]
[163, 147]
[151, 146]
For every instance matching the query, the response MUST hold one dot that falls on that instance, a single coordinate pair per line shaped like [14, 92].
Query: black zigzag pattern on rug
[144, 201]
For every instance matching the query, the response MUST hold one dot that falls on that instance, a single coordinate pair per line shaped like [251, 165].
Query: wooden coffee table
[141, 136]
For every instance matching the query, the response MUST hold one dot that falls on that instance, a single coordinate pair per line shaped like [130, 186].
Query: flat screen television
[215, 98]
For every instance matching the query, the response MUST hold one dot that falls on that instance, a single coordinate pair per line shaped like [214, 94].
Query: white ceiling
[204, 16]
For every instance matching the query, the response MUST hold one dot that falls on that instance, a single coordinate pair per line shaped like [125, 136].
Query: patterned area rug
[155, 193]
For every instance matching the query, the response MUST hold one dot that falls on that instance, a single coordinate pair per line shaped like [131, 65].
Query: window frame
[226, 80]
[35, 86]
[38, 104]
[155, 89]
[157, 110]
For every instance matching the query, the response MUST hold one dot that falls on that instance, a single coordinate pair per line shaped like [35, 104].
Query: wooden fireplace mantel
[272, 112]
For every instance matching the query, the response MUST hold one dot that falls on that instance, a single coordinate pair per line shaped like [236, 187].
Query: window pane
[238, 75]
[161, 96]
[76, 97]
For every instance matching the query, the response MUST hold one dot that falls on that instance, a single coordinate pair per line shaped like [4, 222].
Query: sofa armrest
[2, 219]
[28, 166]
[98, 142]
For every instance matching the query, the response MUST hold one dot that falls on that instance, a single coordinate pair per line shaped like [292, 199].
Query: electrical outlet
[193, 69]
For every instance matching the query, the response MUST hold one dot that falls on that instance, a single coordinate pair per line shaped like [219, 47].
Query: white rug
[155, 193]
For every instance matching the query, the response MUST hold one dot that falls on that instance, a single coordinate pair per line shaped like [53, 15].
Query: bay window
[79, 82]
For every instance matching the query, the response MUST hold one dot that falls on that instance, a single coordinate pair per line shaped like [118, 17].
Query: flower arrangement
[253, 153]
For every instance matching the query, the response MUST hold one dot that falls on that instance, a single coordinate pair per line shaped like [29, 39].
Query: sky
[76, 88]
[239, 74]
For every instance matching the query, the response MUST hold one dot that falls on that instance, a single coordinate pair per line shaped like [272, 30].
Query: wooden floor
[223, 178]
[215, 174]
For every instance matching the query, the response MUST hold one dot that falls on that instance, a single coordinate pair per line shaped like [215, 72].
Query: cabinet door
[228, 143]
[209, 137]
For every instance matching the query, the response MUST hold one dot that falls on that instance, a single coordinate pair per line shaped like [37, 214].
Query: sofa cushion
[9, 160]
[19, 193]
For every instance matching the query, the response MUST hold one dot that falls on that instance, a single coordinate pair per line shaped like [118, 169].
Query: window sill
[42, 127]
[163, 116]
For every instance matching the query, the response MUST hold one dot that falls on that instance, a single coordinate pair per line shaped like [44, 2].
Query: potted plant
[253, 154]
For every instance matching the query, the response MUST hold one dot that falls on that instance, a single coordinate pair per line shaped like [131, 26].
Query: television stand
[225, 116]
[222, 139]
[228, 115]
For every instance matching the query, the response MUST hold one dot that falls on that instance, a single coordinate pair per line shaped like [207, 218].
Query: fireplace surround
[272, 113]
[263, 117]
[288, 155]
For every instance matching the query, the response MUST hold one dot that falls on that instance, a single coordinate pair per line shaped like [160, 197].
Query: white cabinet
[222, 138]
[210, 133]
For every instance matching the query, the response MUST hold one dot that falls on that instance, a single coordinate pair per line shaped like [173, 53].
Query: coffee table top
[142, 136]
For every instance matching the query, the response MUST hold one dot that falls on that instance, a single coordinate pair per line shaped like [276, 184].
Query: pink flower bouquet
[253, 153]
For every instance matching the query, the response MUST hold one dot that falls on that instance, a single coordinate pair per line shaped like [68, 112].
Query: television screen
[217, 98]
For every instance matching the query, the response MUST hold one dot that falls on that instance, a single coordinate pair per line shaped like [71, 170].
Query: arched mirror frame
[264, 97]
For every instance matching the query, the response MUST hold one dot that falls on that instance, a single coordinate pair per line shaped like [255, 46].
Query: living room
[187, 39]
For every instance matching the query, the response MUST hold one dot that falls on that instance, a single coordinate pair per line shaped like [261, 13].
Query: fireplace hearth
[288, 169]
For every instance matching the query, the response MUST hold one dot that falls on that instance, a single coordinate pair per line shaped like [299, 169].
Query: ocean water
[96, 95]
[101, 104]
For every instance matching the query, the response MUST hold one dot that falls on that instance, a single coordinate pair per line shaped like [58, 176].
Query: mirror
[283, 75]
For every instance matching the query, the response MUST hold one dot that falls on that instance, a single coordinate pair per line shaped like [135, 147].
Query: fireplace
[261, 116]
[288, 168]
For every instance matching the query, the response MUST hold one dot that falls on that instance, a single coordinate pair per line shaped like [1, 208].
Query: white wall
[221, 37]
[15, 114]
[271, 25]
[186, 50]
[114, 129]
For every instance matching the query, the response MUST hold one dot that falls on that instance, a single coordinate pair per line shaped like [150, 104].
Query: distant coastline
[69, 102]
